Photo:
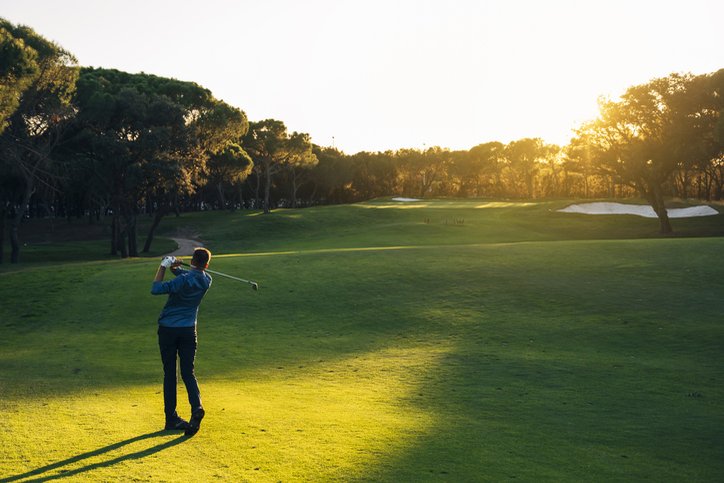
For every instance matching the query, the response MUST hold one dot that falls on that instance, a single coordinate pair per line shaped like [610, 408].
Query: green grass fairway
[435, 341]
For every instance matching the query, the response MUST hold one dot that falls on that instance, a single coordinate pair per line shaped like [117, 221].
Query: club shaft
[229, 276]
[224, 275]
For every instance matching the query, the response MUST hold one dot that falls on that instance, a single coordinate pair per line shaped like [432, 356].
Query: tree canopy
[35, 107]
[148, 139]
[656, 128]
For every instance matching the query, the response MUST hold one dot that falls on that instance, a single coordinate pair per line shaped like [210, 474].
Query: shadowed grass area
[81, 250]
[562, 360]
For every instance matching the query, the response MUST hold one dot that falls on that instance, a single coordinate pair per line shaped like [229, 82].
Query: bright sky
[387, 74]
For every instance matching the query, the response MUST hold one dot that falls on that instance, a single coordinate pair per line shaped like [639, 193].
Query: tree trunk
[15, 226]
[114, 234]
[257, 199]
[14, 243]
[122, 246]
[294, 188]
[220, 191]
[267, 187]
[656, 198]
[529, 185]
[121, 241]
[713, 185]
[428, 179]
[3, 215]
[14, 239]
[132, 235]
[684, 180]
[160, 213]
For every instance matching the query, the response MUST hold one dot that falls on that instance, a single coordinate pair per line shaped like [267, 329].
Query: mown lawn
[384, 344]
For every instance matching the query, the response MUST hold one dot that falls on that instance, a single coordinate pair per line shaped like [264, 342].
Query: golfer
[177, 333]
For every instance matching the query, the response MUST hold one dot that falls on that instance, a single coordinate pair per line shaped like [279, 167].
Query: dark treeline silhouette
[109, 146]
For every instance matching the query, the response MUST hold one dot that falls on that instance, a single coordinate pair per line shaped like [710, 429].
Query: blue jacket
[184, 297]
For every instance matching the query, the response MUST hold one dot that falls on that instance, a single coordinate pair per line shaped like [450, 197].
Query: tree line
[110, 146]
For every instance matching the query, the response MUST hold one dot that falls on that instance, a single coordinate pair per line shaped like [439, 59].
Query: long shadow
[38, 472]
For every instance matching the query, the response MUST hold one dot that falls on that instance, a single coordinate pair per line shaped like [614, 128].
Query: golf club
[254, 285]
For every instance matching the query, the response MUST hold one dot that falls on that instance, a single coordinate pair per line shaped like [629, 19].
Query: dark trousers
[181, 341]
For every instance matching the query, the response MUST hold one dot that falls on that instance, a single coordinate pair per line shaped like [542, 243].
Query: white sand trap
[405, 199]
[605, 208]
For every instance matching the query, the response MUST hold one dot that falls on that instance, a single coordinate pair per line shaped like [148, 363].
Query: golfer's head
[201, 258]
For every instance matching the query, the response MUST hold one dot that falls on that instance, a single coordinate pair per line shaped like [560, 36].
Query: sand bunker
[605, 208]
[405, 199]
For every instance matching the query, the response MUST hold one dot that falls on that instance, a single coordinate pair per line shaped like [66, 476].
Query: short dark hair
[201, 258]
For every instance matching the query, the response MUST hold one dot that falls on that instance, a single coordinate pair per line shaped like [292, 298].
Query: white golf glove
[166, 262]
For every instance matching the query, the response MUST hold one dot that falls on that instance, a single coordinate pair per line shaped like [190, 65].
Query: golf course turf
[433, 341]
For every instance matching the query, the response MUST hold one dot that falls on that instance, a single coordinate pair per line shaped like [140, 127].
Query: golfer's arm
[160, 273]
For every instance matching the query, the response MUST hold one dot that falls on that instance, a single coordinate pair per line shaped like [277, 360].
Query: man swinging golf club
[177, 333]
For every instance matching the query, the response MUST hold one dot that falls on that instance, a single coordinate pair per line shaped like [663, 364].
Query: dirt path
[185, 247]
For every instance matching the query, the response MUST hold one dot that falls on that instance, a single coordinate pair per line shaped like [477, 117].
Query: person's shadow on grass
[38, 472]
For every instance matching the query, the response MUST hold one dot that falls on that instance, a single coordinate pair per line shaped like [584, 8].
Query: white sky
[388, 74]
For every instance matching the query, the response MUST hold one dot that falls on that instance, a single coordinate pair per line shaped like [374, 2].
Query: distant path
[185, 247]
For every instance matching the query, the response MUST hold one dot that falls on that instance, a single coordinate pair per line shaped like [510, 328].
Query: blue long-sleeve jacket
[184, 297]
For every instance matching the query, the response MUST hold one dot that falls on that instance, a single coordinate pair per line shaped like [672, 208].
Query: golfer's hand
[167, 262]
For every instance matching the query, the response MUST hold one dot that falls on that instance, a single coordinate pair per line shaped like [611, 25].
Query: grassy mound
[457, 341]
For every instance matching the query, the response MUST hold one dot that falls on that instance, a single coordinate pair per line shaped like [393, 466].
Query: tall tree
[481, 168]
[653, 130]
[18, 67]
[578, 162]
[524, 157]
[265, 143]
[37, 115]
[333, 175]
[272, 149]
[375, 174]
[552, 171]
[300, 163]
[228, 168]
[424, 169]
[211, 134]
[148, 139]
